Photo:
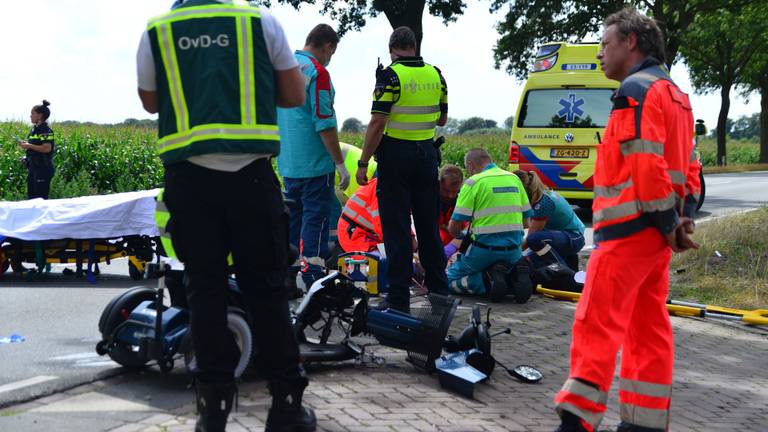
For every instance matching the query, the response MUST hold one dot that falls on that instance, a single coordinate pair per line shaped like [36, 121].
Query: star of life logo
[571, 108]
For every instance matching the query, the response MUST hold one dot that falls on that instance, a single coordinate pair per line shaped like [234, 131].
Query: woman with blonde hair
[554, 226]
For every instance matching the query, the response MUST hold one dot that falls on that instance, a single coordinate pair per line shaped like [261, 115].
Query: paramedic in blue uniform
[310, 153]
[555, 232]
[39, 147]
[409, 100]
[216, 71]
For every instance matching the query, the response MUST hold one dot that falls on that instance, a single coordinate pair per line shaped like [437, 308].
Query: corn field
[89, 159]
[101, 159]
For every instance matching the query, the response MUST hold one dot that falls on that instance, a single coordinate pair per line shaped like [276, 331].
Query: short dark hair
[451, 174]
[43, 109]
[477, 156]
[650, 40]
[321, 35]
[402, 38]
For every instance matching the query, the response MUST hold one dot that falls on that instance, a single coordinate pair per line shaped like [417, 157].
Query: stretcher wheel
[166, 364]
[243, 338]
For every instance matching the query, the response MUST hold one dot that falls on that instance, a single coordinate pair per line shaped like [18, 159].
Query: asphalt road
[59, 316]
[725, 194]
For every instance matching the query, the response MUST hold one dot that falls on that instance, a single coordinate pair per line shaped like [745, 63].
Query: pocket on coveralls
[582, 307]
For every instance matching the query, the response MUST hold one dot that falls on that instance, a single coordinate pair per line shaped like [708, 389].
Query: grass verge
[730, 268]
[735, 168]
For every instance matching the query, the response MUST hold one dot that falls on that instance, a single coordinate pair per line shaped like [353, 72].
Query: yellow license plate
[568, 153]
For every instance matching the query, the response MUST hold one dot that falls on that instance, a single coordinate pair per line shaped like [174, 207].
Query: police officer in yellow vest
[409, 100]
[494, 201]
[215, 72]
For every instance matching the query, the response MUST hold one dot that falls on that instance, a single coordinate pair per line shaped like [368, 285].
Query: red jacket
[646, 172]
[445, 218]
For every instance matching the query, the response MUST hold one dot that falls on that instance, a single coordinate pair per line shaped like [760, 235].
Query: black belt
[494, 248]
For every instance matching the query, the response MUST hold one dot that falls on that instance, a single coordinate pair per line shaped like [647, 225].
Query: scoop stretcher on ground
[683, 309]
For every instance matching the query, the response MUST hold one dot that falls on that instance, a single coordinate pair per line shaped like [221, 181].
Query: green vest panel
[161, 218]
[414, 115]
[351, 155]
[215, 81]
[495, 200]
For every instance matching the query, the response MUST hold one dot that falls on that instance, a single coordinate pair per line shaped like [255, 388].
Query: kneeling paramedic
[646, 187]
[217, 133]
[495, 203]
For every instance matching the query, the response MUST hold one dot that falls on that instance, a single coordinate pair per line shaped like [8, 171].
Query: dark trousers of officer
[408, 184]
[213, 213]
[39, 181]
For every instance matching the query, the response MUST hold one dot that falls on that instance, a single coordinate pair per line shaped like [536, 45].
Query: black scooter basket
[436, 315]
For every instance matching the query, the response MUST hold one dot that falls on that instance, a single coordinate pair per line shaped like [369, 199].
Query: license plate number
[569, 153]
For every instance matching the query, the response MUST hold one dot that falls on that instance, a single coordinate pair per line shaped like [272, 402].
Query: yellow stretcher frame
[683, 309]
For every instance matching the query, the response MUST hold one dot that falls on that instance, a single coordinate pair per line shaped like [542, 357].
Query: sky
[81, 56]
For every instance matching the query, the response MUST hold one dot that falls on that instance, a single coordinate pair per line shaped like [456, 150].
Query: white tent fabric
[89, 217]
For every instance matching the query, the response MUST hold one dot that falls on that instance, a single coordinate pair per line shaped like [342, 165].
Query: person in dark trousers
[409, 100]
[39, 148]
[215, 72]
[310, 153]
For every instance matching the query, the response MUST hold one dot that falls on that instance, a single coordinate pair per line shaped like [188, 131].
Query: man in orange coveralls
[646, 187]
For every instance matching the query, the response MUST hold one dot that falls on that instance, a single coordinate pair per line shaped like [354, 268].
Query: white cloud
[80, 54]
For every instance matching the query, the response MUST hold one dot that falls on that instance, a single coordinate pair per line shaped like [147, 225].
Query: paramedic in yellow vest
[409, 100]
[494, 203]
[215, 72]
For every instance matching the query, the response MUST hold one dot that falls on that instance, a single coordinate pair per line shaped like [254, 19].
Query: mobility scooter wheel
[241, 331]
[114, 314]
[166, 364]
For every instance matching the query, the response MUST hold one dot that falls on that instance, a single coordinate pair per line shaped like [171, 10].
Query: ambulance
[560, 118]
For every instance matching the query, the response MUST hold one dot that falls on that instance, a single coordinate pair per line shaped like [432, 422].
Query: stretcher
[85, 231]
[684, 309]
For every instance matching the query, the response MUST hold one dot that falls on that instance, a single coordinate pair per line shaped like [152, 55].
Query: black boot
[520, 283]
[286, 413]
[629, 427]
[570, 422]
[214, 402]
[495, 280]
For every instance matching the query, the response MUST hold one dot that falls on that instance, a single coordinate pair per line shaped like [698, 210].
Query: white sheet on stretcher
[90, 217]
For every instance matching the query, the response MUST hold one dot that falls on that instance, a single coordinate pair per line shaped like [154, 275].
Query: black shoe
[214, 402]
[400, 307]
[629, 427]
[570, 422]
[495, 280]
[287, 414]
[520, 283]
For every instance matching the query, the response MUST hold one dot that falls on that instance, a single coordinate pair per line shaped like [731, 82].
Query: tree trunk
[722, 119]
[409, 16]
[764, 121]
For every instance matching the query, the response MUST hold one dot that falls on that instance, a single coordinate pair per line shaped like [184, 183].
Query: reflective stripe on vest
[204, 33]
[161, 218]
[414, 115]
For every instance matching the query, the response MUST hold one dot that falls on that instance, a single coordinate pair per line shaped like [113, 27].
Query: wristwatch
[361, 164]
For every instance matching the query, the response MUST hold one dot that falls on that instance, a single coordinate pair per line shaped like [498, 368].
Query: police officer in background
[39, 147]
[409, 100]
[216, 72]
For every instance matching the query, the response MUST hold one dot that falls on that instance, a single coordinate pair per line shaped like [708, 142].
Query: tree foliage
[718, 49]
[509, 122]
[352, 14]
[529, 23]
[352, 125]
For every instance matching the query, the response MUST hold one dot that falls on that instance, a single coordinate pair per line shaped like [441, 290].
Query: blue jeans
[465, 276]
[565, 245]
[310, 222]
